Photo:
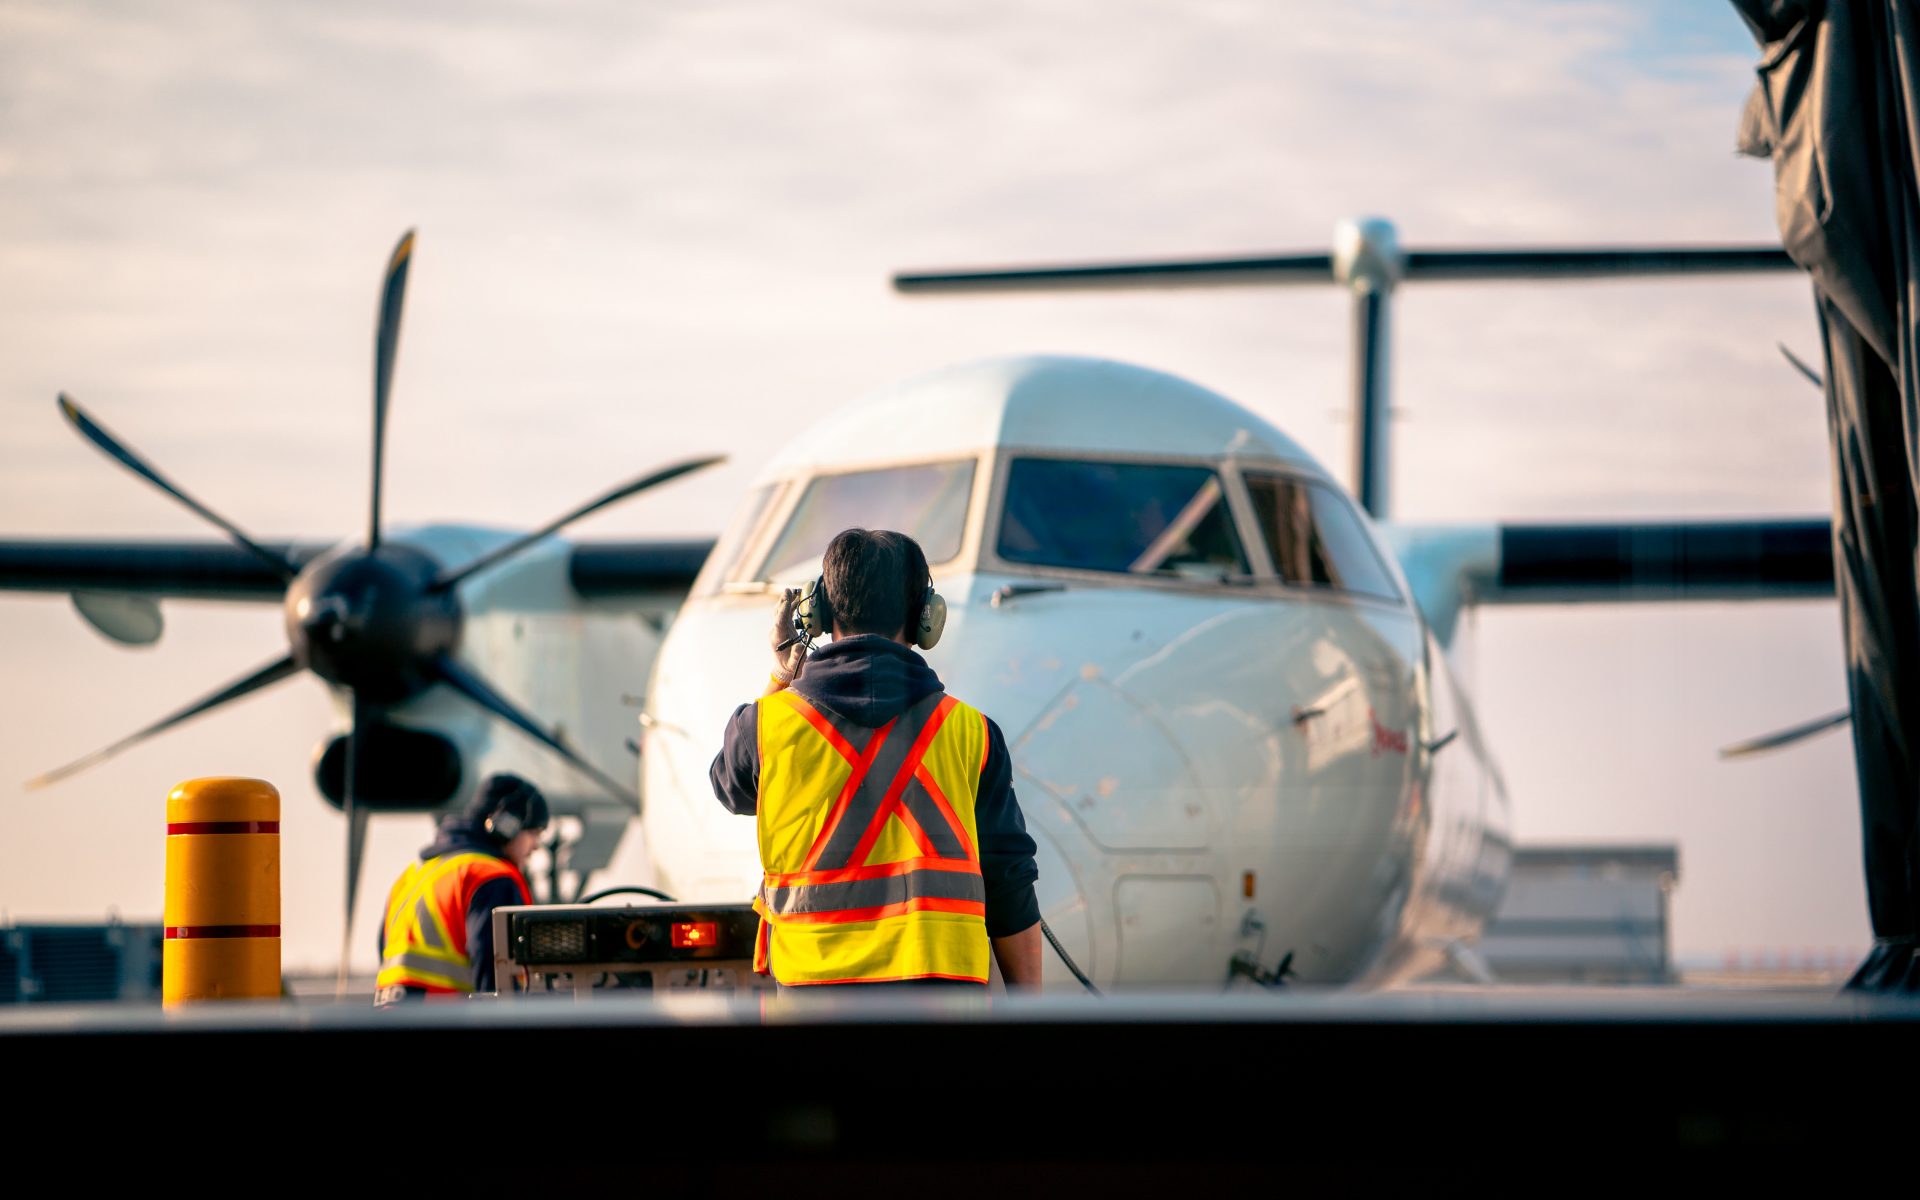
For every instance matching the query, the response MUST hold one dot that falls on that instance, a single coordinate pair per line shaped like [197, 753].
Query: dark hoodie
[458, 835]
[870, 680]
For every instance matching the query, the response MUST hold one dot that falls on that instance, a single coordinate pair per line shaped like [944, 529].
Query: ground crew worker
[437, 938]
[892, 844]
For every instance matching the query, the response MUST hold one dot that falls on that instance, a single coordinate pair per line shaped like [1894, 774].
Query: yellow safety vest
[426, 945]
[868, 840]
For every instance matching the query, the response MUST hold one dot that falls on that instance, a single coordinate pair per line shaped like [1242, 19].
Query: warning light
[688, 935]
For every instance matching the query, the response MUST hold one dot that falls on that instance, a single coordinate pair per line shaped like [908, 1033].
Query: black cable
[617, 891]
[1067, 958]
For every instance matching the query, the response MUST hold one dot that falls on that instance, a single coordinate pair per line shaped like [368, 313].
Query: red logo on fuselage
[1386, 741]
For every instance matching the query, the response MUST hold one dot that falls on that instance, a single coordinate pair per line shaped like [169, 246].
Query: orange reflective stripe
[891, 801]
[821, 896]
[426, 919]
[825, 727]
[862, 765]
[946, 810]
[474, 875]
[422, 902]
[847, 916]
[914, 831]
[450, 906]
[877, 871]
[869, 799]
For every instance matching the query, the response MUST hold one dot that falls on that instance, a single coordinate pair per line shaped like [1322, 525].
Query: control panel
[578, 950]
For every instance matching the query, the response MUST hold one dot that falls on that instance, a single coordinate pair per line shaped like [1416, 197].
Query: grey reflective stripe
[419, 964]
[838, 852]
[873, 893]
[856, 735]
[425, 927]
[919, 802]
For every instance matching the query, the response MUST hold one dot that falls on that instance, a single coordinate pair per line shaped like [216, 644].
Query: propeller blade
[1594, 262]
[272, 673]
[514, 547]
[94, 432]
[356, 841]
[463, 680]
[1801, 367]
[386, 342]
[1785, 737]
[1203, 272]
[1588, 262]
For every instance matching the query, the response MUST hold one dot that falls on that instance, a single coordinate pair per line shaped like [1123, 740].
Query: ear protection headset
[813, 616]
[503, 822]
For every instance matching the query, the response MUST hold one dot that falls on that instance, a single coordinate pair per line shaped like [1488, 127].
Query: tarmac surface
[703, 1091]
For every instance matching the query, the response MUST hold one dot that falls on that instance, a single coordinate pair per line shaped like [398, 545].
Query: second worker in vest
[893, 847]
[437, 938]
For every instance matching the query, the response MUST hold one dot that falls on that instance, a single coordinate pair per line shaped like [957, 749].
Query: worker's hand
[789, 649]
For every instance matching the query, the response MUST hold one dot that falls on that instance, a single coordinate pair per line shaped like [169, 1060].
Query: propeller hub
[369, 620]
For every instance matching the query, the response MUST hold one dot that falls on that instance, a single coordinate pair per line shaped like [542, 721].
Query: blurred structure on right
[1584, 915]
[1836, 107]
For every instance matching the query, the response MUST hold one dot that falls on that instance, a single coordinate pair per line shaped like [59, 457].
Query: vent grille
[557, 941]
[69, 964]
[75, 964]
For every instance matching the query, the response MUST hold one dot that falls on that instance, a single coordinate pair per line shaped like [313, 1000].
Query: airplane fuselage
[1206, 777]
[1216, 766]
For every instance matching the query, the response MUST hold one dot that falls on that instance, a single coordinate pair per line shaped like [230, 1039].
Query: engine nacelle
[397, 769]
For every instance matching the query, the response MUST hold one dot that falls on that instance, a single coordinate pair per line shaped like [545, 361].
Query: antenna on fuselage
[1369, 261]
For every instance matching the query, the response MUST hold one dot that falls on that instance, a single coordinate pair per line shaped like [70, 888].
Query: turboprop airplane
[1236, 735]
[1237, 738]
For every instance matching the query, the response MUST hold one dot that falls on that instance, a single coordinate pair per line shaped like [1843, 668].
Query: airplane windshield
[1315, 538]
[1137, 518]
[734, 542]
[927, 502]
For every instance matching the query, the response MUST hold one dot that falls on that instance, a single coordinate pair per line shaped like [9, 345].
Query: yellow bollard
[223, 891]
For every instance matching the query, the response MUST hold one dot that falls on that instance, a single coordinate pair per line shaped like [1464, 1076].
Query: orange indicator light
[689, 934]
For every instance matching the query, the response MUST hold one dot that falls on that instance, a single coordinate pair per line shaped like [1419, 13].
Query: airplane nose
[1137, 794]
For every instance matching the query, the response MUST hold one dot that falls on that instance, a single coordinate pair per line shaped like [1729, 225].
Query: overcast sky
[650, 230]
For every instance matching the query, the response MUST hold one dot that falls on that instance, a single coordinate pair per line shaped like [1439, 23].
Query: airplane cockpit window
[733, 543]
[927, 502]
[1315, 538]
[1139, 518]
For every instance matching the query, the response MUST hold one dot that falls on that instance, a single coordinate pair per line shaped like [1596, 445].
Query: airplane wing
[201, 570]
[1453, 566]
[615, 570]
[210, 570]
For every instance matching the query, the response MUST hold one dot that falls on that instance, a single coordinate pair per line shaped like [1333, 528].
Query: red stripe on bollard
[222, 931]
[180, 827]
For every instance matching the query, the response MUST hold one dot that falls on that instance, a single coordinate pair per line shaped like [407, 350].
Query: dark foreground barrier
[1127, 1095]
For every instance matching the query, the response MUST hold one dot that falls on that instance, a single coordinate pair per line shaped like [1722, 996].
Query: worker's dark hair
[510, 802]
[875, 580]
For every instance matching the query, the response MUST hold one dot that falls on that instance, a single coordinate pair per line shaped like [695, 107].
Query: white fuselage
[1234, 738]
[1173, 753]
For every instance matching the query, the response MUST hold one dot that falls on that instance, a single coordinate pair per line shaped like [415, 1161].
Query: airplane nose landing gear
[1247, 966]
